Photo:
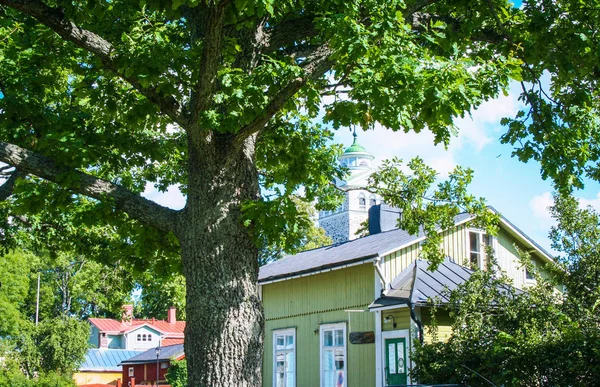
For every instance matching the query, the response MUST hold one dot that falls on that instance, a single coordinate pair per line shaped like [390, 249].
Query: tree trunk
[225, 323]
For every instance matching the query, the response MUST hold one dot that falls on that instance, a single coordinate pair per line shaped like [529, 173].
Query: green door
[395, 362]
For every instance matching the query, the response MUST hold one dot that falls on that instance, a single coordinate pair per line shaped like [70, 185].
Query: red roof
[109, 325]
[167, 342]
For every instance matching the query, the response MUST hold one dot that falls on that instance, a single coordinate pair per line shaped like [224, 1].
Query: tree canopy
[540, 336]
[223, 99]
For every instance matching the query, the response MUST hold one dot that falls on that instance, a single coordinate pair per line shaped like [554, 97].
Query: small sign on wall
[362, 337]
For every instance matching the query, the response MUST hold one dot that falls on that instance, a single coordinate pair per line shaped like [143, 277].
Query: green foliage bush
[537, 337]
[177, 375]
[50, 379]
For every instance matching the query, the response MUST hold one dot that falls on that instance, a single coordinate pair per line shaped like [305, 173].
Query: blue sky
[512, 187]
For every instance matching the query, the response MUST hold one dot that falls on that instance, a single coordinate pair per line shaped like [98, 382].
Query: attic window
[149, 337]
[139, 337]
[475, 250]
[143, 337]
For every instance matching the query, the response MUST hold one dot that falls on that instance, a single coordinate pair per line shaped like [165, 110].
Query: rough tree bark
[224, 333]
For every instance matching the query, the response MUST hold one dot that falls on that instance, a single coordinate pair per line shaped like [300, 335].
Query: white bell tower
[343, 223]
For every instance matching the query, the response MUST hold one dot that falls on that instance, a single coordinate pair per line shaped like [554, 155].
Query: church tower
[343, 223]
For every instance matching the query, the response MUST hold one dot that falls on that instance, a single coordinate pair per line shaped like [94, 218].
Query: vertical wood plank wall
[307, 302]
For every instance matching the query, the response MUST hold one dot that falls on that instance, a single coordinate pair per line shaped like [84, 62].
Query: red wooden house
[141, 369]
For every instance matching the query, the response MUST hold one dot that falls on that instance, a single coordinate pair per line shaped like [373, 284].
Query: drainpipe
[413, 316]
[380, 273]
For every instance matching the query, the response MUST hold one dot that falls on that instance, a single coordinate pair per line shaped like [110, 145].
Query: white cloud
[594, 203]
[173, 198]
[539, 206]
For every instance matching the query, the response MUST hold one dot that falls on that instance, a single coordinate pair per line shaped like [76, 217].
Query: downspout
[380, 273]
[411, 306]
[413, 316]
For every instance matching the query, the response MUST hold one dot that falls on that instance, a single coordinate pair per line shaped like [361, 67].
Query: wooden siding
[444, 325]
[317, 293]
[400, 316]
[360, 357]
[305, 303]
[454, 244]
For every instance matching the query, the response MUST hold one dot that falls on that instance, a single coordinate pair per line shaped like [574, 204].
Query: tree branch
[144, 210]
[315, 66]
[6, 189]
[212, 32]
[54, 19]
[290, 32]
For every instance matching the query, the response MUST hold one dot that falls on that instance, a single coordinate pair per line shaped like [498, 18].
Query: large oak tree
[223, 98]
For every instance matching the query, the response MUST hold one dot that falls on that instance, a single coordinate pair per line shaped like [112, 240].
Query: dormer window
[372, 201]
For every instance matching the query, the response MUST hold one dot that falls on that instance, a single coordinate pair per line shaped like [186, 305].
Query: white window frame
[480, 235]
[285, 332]
[532, 279]
[130, 372]
[329, 327]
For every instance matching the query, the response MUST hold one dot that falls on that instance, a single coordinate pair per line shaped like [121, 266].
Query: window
[478, 242]
[149, 336]
[130, 372]
[475, 253]
[372, 200]
[144, 337]
[284, 355]
[139, 337]
[333, 355]
[529, 273]
[362, 202]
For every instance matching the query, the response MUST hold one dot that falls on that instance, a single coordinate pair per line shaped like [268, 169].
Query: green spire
[355, 147]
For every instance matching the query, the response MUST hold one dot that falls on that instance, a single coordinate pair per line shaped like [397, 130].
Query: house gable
[142, 337]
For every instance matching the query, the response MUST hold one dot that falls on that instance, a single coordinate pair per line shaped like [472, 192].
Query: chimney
[127, 314]
[171, 315]
[383, 217]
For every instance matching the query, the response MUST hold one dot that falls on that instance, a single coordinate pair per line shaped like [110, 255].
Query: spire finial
[354, 135]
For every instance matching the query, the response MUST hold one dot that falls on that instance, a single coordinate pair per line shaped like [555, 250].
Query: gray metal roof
[417, 285]
[106, 359]
[166, 353]
[341, 253]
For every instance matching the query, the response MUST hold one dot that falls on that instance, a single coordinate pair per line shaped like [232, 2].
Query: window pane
[340, 379]
[289, 342]
[339, 359]
[289, 362]
[289, 382]
[401, 365]
[474, 259]
[328, 338]
[280, 341]
[474, 241]
[328, 363]
[280, 365]
[392, 358]
[339, 337]
[280, 379]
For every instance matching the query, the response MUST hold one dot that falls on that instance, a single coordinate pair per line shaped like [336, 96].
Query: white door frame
[397, 334]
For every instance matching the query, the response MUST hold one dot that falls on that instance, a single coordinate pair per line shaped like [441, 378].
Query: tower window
[372, 200]
[362, 201]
